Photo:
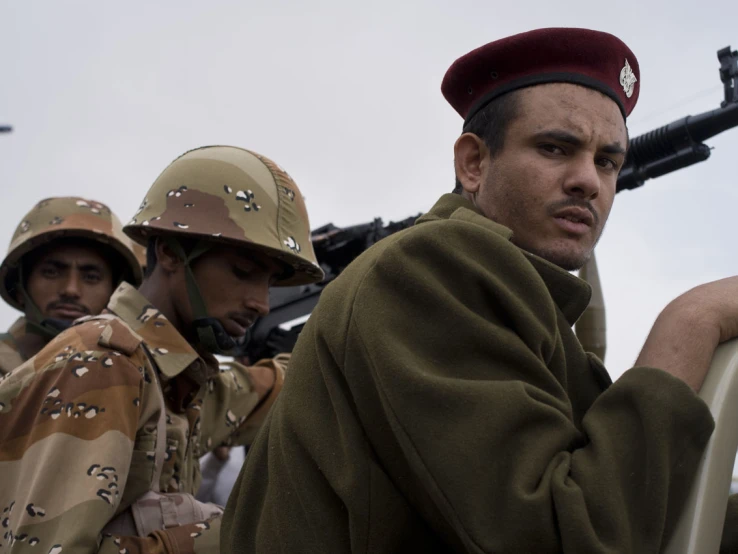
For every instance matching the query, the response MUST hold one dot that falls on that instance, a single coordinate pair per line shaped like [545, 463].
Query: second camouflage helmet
[228, 194]
[65, 217]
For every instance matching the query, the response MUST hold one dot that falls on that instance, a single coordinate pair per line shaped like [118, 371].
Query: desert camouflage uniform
[78, 422]
[10, 357]
[78, 430]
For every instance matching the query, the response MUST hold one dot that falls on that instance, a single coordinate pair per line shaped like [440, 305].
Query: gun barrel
[634, 176]
[5, 128]
[708, 124]
[674, 146]
[659, 143]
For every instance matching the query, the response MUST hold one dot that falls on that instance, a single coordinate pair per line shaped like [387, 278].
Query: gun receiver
[679, 144]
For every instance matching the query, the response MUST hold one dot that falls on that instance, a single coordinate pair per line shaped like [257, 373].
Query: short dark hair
[491, 123]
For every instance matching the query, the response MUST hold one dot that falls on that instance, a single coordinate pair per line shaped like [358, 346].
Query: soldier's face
[553, 182]
[235, 286]
[67, 281]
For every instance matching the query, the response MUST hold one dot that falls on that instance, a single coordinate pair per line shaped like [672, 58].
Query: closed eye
[243, 274]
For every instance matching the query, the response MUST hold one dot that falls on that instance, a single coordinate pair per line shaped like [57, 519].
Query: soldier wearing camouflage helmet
[133, 397]
[64, 260]
[267, 221]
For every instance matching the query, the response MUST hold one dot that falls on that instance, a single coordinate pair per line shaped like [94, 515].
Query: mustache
[67, 304]
[574, 203]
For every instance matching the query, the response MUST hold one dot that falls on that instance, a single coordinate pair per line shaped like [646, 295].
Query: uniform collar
[10, 356]
[17, 330]
[570, 293]
[171, 352]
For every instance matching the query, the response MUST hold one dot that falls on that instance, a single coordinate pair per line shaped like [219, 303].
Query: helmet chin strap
[210, 331]
[36, 323]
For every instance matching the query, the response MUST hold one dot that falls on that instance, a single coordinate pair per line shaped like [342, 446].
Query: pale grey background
[345, 95]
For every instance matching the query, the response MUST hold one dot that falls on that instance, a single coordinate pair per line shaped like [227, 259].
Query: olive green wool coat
[438, 401]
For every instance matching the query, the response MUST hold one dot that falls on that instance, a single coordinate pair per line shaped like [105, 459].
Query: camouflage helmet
[61, 217]
[234, 196]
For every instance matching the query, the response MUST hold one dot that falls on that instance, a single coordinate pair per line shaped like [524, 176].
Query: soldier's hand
[688, 330]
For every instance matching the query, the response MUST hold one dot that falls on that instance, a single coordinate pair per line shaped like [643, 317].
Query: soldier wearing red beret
[438, 400]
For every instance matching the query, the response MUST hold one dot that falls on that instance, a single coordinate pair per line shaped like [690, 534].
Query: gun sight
[729, 74]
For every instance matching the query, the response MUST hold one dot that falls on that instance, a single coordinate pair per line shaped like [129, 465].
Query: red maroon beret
[589, 58]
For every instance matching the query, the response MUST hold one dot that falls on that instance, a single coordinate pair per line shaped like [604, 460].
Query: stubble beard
[570, 261]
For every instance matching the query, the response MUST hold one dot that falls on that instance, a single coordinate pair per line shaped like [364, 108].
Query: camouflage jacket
[10, 357]
[78, 430]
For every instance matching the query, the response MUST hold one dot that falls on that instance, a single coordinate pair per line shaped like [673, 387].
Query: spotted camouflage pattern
[232, 195]
[78, 430]
[67, 216]
[10, 357]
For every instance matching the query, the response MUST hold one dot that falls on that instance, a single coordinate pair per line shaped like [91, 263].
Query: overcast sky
[346, 97]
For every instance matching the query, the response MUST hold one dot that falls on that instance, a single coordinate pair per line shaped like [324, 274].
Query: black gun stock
[658, 152]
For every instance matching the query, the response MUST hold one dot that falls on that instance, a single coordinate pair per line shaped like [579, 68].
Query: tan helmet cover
[234, 196]
[65, 217]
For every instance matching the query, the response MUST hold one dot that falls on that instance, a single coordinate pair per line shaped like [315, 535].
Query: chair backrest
[700, 526]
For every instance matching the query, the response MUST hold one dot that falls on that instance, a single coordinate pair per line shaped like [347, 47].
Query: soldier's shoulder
[442, 239]
[106, 331]
[89, 357]
[6, 339]
[10, 358]
[462, 225]
[93, 339]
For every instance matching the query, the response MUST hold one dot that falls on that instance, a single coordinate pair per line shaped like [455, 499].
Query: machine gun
[664, 150]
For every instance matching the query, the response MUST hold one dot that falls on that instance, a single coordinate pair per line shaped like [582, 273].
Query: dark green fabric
[438, 401]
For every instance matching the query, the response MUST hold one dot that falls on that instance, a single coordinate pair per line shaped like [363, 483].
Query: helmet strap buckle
[213, 337]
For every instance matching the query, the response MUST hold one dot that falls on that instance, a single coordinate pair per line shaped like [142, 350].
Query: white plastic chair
[700, 526]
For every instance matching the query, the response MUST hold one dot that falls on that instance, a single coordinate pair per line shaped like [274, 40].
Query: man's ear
[470, 158]
[166, 257]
